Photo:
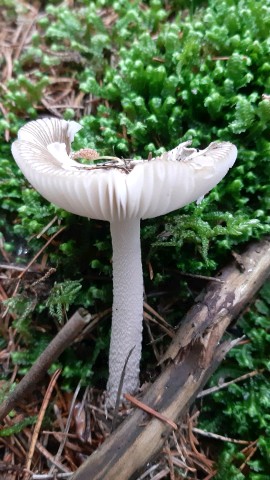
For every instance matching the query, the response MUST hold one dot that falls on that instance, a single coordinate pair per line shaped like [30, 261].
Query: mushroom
[122, 192]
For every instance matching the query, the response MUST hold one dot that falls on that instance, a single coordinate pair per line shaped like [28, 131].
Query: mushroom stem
[127, 315]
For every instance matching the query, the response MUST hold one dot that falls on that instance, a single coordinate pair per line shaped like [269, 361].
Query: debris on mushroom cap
[87, 153]
[145, 190]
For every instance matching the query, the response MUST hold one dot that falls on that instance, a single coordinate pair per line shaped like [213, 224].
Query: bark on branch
[192, 357]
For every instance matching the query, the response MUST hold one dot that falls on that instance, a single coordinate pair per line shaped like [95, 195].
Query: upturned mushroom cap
[143, 189]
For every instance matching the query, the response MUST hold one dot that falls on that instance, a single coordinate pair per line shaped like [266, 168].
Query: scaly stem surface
[127, 316]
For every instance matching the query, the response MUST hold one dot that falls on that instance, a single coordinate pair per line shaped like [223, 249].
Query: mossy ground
[140, 77]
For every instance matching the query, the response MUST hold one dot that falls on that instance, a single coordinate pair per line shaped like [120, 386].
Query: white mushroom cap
[149, 189]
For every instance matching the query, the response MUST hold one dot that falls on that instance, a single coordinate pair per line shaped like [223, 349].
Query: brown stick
[40, 251]
[193, 356]
[231, 382]
[61, 341]
[40, 418]
[149, 410]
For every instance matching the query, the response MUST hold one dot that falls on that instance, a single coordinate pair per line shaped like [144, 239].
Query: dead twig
[49, 457]
[40, 251]
[167, 330]
[168, 453]
[61, 341]
[152, 341]
[201, 277]
[150, 410]
[119, 391]
[249, 451]
[47, 476]
[162, 321]
[92, 324]
[20, 276]
[63, 441]
[44, 230]
[219, 437]
[231, 382]
[149, 471]
[40, 418]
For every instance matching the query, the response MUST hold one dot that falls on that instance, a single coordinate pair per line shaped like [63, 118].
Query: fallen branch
[219, 437]
[231, 382]
[61, 341]
[192, 357]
